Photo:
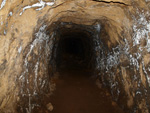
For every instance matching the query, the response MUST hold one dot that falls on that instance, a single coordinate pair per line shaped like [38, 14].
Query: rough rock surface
[28, 33]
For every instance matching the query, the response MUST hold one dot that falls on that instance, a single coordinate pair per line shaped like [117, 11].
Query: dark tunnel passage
[75, 55]
[74, 48]
[74, 51]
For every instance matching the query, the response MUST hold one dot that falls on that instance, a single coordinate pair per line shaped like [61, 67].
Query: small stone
[50, 107]
[107, 94]
[114, 103]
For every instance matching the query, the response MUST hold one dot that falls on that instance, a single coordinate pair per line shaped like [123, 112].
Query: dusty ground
[77, 92]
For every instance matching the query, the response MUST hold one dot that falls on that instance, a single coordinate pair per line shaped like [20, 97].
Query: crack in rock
[115, 2]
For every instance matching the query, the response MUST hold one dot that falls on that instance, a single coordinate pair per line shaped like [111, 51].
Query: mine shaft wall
[27, 36]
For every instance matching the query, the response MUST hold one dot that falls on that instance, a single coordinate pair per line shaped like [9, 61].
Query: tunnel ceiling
[116, 30]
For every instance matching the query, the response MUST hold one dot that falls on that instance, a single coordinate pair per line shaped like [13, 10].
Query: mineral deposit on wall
[29, 35]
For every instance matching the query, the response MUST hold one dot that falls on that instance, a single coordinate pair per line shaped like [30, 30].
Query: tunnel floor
[77, 92]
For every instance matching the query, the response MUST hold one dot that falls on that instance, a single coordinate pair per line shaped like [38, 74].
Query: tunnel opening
[74, 48]
[76, 56]
[73, 51]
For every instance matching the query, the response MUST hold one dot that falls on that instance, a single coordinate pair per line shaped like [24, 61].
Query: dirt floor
[77, 92]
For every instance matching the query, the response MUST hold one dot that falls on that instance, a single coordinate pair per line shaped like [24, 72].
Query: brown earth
[77, 92]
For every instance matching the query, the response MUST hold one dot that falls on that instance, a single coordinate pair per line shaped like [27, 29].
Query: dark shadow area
[74, 50]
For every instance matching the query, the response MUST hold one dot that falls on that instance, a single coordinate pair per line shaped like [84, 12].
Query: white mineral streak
[147, 0]
[147, 76]
[97, 28]
[43, 83]
[126, 47]
[113, 58]
[3, 4]
[118, 91]
[97, 49]
[113, 85]
[148, 45]
[135, 78]
[36, 73]
[10, 13]
[40, 5]
[148, 68]
[5, 32]
[134, 61]
[138, 92]
[138, 55]
[141, 30]
[40, 37]
[51, 45]
[20, 49]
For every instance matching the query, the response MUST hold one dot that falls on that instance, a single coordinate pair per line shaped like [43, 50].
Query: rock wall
[28, 35]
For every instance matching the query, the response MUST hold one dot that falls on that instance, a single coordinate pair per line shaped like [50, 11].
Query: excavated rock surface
[29, 33]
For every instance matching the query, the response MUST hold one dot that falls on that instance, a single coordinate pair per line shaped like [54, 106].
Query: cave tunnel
[74, 49]
[75, 56]
[75, 53]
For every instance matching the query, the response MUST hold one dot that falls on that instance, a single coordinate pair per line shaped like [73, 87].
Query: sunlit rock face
[117, 32]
